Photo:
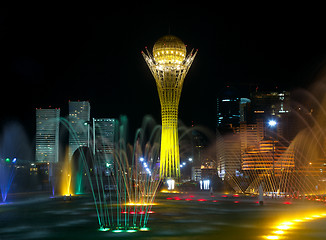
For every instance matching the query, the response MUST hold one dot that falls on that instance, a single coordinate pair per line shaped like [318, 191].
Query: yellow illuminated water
[66, 175]
[282, 229]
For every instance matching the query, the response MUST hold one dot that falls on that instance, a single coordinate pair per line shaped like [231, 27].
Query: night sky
[49, 57]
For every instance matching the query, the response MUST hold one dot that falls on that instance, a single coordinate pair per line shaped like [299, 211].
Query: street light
[272, 123]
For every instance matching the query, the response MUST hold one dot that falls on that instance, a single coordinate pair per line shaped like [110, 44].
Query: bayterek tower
[169, 65]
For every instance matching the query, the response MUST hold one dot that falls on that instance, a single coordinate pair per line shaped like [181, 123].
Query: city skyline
[163, 121]
[91, 57]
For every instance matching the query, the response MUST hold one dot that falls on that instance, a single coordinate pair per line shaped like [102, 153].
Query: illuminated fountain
[14, 148]
[71, 169]
[124, 189]
[293, 169]
[287, 172]
[66, 188]
[7, 173]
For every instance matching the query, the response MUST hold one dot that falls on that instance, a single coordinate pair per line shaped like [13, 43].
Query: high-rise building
[260, 148]
[231, 108]
[169, 66]
[229, 164]
[47, 135]
[270, 157]
[245, 115]
[228, 111]
[79, 119]
[251, 134]
[267, 104]
[104, 140]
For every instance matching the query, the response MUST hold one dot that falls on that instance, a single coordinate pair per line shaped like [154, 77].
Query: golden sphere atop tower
[169, 50]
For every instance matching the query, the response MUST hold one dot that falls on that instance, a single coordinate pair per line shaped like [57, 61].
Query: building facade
[271, 157]
[267, 104]
[249, 146]
[47, 135]
[79, 120]
[104, 140]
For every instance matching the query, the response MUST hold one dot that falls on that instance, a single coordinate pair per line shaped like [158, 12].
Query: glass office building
[79, 120]
[47, 135]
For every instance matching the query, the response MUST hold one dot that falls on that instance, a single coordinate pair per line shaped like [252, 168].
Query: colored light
[272, 123]
[150, 212]
[14, 160]
[169, 198]
[104, 229]
[291, 224]
[170, 183]
[142, 212]
[140, 204]
[272, 237]
[201, 200]
[224, 196]
[7, 160]
[188, 199]
[283, 227]
[144, 229]
[298, 220]
[287, 203]
[287, 223]
[236, 201]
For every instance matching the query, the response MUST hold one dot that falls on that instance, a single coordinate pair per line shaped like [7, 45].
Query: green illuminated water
[124, 191]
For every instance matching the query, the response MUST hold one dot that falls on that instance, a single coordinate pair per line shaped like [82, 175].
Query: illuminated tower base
[169, 157]
[169, 66]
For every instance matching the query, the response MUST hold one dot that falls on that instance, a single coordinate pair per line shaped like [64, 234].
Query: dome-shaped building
[169, 50]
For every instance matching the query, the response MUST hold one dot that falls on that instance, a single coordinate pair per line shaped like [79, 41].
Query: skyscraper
[47, 135]
[79, 119]
[229, 155]
[169, 66]
[104, 140]
[231, 108]
[266, 104]
[228, 111]
[251, 134]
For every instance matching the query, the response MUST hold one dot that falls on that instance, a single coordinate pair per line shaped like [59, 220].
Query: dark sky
[49, 57]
